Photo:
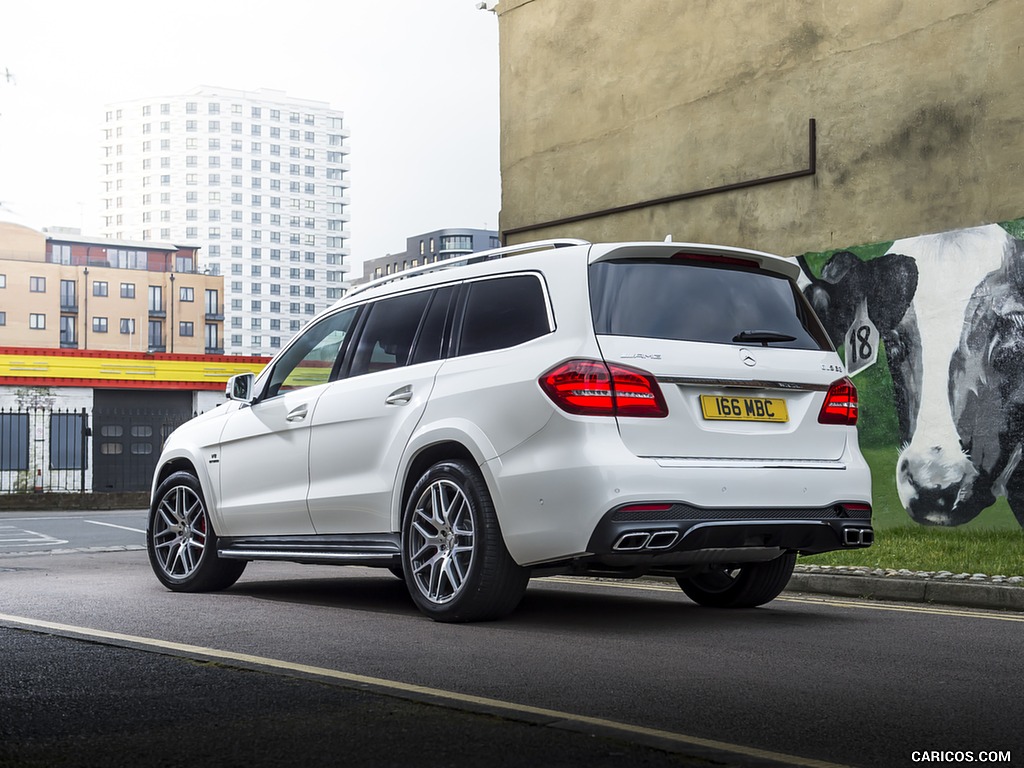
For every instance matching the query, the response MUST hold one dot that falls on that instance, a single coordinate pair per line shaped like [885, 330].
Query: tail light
[840, 406]
[594, 388]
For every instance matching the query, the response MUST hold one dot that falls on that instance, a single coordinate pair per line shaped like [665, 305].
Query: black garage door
[129, 429]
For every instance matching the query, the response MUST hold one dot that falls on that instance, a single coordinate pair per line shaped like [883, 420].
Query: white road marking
[111, 525]
[21, 537]
[555, 716]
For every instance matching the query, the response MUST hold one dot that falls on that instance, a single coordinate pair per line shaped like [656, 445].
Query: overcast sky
[417, 81]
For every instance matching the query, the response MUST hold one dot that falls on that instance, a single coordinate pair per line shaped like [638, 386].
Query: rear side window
[667, 299]
[503, 312]
[387, 336]
[429, 344]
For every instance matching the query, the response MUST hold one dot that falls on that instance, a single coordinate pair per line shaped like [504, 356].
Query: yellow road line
[418, 690]
[830, 601]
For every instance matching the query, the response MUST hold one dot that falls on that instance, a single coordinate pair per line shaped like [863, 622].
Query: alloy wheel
[179, 532]
[442, 542]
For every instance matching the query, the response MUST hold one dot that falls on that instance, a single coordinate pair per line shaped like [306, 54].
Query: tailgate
[722, 407]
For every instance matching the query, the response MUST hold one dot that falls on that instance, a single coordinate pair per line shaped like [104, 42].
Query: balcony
[215, 316]
[157, 312]
[215, 350]
[71, 307]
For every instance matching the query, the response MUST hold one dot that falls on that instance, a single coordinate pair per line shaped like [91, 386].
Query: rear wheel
[742, 586]
[181, 541]
[454, 558]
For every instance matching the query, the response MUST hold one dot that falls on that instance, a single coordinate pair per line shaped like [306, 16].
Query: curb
[910, 590]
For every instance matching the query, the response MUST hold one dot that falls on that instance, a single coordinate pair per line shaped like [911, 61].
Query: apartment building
[428, 248]
[66, 291]
[255, 180]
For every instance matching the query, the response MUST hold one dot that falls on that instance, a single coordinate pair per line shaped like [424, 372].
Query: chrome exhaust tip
[632, 542]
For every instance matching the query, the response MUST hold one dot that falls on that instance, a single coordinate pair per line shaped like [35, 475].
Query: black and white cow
[953, 355]
[986, 386]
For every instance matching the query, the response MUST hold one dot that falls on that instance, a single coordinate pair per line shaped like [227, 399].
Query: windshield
[692, 301]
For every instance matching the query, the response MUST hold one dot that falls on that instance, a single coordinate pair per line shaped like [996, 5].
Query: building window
[66, 438]
[3, 281]
[127, 290]
[3, 318]
[68, 295]
[37, 284]
[212, 337]
[186, 293]
[14, 441]
[61, 254]
[128, 325]
[99, 288]
[156, 298]
[37, 322]
[186, 329]
[68, 335]
[99, 325]
[156, 334]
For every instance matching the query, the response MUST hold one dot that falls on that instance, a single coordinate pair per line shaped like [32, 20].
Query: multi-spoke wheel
[740, 586]
[454, 558]
[181, 542]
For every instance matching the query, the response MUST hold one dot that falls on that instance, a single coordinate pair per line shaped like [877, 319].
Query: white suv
[552, 408]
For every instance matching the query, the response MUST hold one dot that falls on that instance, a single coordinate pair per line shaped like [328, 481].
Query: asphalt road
[318, 666]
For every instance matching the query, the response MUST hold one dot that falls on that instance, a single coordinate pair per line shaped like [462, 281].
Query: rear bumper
[628, 533]
[557, 505]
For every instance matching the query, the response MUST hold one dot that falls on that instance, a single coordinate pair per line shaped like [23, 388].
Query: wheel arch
[183, 462]
[421, 461]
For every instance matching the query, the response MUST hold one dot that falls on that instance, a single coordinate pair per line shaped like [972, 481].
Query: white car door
[364, 420]
[264, 451]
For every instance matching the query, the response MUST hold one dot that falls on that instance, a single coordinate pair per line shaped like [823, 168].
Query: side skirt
[372, 549]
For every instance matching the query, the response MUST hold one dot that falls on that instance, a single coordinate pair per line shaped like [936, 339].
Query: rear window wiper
[762, 337]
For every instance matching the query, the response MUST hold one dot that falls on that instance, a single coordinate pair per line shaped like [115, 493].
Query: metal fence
[52, 450]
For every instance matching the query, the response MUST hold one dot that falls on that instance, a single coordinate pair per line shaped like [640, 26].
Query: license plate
[726, 408]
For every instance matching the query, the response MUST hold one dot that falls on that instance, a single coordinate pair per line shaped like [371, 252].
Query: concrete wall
[610, 104]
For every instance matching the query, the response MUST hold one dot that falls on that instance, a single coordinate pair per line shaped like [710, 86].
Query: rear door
[741, 359]
[364, 420]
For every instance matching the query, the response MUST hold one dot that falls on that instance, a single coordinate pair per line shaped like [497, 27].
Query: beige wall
[605, 104]
[22, 243]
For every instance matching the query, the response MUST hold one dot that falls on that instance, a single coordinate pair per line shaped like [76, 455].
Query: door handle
[399, 396]
[298, 413]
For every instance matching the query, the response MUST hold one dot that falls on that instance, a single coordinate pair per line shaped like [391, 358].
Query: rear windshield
[692, 301]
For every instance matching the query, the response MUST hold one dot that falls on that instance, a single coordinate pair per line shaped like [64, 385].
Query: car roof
[538, 255]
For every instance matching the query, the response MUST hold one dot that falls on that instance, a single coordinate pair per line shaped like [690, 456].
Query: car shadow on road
[551, 604]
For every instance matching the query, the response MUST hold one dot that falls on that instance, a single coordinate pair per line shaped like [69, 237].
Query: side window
[502, 313]
[431, 338]
[309, 361]
[386, 339]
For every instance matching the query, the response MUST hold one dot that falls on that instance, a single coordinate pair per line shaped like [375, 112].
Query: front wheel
[454, 559]
[742, 586]
[181, 541]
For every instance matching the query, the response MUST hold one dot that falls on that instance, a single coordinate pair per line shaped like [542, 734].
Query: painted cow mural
[949, 309]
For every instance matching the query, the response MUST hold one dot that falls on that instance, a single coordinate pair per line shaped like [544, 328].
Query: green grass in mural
[992, 543]
[916, 548]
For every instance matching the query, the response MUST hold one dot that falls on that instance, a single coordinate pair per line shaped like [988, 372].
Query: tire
[745, 586]
[455, 562]
[181, 541]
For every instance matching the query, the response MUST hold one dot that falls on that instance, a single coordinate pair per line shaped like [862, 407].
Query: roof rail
[471, 258]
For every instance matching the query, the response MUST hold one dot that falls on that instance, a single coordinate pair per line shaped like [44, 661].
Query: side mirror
[239, 387]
